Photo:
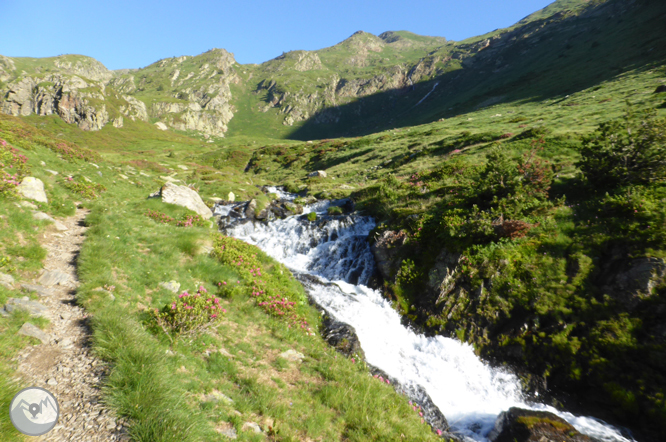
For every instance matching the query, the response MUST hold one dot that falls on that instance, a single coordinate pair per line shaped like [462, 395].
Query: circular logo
[34, 411]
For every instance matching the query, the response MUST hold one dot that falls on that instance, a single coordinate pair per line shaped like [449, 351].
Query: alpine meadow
[398, 237]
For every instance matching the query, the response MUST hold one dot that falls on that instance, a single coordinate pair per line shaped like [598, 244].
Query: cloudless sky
[136, 33]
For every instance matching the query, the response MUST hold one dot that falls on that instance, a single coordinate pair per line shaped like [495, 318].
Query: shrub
[86, 190]
[312, 216]
[186, 221]
[189, 314]
[631, 150]
[334, 210]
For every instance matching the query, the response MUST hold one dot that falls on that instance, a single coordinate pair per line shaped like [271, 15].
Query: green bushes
[631, 150]
[312, 216]
[13, 167]
[87, 190]
[190, 313]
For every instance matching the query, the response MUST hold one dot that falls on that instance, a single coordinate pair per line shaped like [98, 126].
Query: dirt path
[66, 366]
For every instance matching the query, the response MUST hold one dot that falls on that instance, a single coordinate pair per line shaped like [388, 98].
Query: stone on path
[33, 189]
[54, 277]
[41, 216]
[172, 286]
[34, 308]
[292, 355]
[39, 289]
[33, 331]
[7, 281]
[186, 197]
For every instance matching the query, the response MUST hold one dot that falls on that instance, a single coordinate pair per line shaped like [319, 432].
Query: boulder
[33, 331]
[249, 208]
[660, 88]
[32, 188]
[186, 197]
[385, 250]
[518, 425]
[216, 396]
[34, 308]
[317, 173]
[251, 426]
[342, 337]
[635, 280]
[6, 281]
[41, 216]
[39, 289]
[442, 275]
[172, 286]
[54, 277]
[161, 126]
[231, 197]
[292, 355]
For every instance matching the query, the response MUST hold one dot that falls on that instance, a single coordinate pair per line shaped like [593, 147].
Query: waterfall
[470, 393]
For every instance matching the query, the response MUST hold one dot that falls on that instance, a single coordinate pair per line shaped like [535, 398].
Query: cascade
[334, 249]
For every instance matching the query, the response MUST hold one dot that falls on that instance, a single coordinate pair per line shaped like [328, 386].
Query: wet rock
[294, 209]
[518, 425]
[32, 188]
[342, 337]
[34, 308]
[6, 281]
[172, 286]
[250, 208]
[385, 250]
[51, 278]
[186, 197]
[33, 331]
[39, 289]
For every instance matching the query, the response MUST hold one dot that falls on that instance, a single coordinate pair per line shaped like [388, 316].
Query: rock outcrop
[385, 250]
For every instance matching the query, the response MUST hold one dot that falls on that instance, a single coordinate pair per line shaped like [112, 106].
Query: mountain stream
[335, 250]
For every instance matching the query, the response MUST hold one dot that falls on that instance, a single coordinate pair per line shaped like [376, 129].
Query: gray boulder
[385, 250]
[32, 188]
[317, 173]
[34, 308]
[518, 425]
[54, 277]
[172, 286]
[39, 289]
[185, 197]
[33, 331]
[6, 281]
[636, 280]
[41, 216]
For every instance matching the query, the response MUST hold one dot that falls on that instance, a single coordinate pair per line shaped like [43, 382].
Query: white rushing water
[468, 392]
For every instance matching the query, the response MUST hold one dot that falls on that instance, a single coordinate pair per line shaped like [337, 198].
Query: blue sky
[134, 34]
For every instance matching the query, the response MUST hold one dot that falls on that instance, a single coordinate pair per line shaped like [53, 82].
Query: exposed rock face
[442, 276]
[385, 250]
[32, 188]
[134, 109]
[186, 197]
[57, 94]
[83, 66]
[342, 337]
[635, 281]
[518, 425]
